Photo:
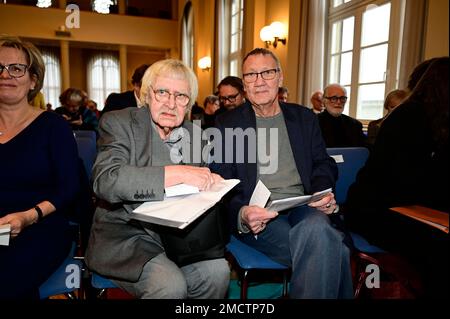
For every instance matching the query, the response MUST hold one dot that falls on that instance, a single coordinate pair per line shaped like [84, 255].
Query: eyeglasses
[265, 75]
[229, 98]
[334, 99]
[163, 96]
[15, 70]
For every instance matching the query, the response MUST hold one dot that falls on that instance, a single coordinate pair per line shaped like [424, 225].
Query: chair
[87, 151]
[249, 259]
[101, 283]
[65, 280]
[89, 134]
[349, 161]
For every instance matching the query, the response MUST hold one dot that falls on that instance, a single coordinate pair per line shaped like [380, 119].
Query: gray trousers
[161, 278]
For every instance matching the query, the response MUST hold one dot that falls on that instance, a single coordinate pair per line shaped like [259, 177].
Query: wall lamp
[204, 63]
[272, 34]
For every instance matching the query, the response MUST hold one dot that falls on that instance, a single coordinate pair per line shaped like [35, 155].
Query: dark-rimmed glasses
[335, 99]
[15, 70]
[163, 96]
[265, 75]
[229, 98]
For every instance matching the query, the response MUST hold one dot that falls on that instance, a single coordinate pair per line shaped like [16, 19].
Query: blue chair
[88, 134]
[87, 151]
[249, 259]
[101, 283]
[65, 280]
[349, 161]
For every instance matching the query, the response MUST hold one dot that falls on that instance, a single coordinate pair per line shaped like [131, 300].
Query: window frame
[225, 32]
[357, 8]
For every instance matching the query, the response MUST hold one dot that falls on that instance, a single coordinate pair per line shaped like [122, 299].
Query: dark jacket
[317, 170]
[341, 131]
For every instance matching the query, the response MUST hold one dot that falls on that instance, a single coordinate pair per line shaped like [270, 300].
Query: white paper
[291, 202]
[182, 210]
[260, 195]
[180, 189]
[5, 231]
[338, 158]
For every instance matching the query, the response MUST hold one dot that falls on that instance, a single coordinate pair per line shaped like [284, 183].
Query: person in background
[49, 107]
[75, 112]
[92, 105]
[408, 165]
[338, 129]
[135, 148]
[118, 101]
[302, 237]
[231, 93]
[283, 94]
[211, 105]
[39, 101]
[34, 199]
[317, 102]
[393, 99]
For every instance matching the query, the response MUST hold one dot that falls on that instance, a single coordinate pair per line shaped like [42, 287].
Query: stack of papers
[261, 195]
[179, 211]
[5, 231]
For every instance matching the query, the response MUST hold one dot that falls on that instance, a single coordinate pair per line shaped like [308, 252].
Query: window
[363, 49]
[103, 77]
[52, 80]
[187, 33]
[230, 37]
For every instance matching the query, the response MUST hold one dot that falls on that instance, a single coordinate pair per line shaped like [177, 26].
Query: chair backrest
[87, 151]
[89, 134]
[66, 279]
[349, 161]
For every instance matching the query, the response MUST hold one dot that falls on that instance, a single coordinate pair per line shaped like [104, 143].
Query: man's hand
[256, 218]
[200, 177]
[327, 204]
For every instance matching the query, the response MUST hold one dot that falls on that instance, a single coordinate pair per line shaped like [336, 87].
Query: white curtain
[312, 49]
[413, 39]
[52, 80]
[103, 77]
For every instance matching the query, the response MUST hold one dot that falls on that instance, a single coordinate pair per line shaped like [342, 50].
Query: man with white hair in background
[338, 129]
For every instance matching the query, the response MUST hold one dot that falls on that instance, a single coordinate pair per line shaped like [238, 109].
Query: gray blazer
[123, 178]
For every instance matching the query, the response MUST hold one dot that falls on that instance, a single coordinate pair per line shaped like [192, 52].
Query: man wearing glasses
[231, 93]
[339, 130]
[300, 237]
[134, 164]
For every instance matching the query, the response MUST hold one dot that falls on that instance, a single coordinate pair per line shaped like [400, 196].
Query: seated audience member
[338, 129]
[197, 113]
[211, 105]
[49, 107]
[39, 101]
[118, 101]
[231, 93]
[283, 94]
[75, 112]
[135, 155]
[33, 198]
[302, 237]
[409, 166]
[317, 102]
[393, 99]
[92, 105]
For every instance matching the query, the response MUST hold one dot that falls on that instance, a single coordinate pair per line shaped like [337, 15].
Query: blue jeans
[163, 279]
[304, 239]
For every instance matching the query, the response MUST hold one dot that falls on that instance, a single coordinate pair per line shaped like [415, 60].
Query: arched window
[103, 77]
[52, 80]
[231, 13]
[187, 36]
